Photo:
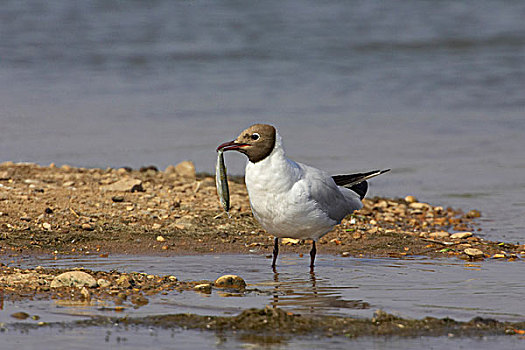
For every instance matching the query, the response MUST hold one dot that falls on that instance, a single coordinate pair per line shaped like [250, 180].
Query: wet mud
[275, 322]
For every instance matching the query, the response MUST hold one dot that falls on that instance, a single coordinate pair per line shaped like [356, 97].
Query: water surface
[412, 288]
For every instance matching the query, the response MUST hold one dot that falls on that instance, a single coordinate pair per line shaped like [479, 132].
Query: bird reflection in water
[309, 295]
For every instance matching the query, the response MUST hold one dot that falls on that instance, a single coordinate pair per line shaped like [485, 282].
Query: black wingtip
[361, 189]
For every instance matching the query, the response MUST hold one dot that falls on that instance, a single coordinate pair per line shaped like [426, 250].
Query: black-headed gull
[290, 199]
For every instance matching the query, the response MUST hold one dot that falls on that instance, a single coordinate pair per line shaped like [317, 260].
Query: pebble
[290, 241]
[170, 169]
[160, 239]
[186, 169]
[122, 171]
[440, 234]
[125, 185]
[124, 281]
[499, 256]
[356, 235]
[410, 199]
[156, 226]
[473, 252]
[419, 205]
[86, 294]
[87, 227]
[103, 283]
[117, 199]
[46, 225]
[73, 279]
[139, 300]
[461, 235]
[345, 254]
[473, 214]
[20, 315]
[203, 288]
[230, 281]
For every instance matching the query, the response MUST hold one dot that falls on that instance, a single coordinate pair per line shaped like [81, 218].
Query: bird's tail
[354, 179]
[357, 182]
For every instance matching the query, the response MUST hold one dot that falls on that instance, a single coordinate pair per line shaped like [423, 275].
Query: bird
[290, 199]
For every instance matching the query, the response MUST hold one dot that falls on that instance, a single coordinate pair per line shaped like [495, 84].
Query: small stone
[139, 300]
[499, 256]
[156, 226]
[125, 185]
[230, 281]
[20, 315]
[48, 210]
[461, 235]
[4, 175]
[87, 227]
[124, 282]
[290, 241]
[345, 254]
[68, 184]
[356, 235]
[46, 225]
[148, 169]
[186, 169]
[160, 239]
[203, 288]
[410, 199]
[170, 169]
[117, 199]
[473, 252]
[419, 205]
[439, 234]
[173, 279]
[103, 283]
[73, 279]
[86, 294]
[473, 214]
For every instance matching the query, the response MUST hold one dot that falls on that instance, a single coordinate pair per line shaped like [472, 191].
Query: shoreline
[66, 210]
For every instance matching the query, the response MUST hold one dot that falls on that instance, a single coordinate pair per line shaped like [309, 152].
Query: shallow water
[412, 288]
[141, 338]
[431, 89]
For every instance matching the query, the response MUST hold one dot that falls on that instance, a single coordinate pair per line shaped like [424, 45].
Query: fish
[221, 180]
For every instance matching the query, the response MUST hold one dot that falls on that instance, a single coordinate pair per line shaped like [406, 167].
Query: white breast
[283, 198]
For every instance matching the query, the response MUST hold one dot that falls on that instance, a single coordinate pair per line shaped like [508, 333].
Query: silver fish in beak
[221, 180]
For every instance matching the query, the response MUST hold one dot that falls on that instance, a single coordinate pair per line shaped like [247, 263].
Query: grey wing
[335, 201]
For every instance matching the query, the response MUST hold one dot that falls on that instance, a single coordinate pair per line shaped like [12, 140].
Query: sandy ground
[104, 211]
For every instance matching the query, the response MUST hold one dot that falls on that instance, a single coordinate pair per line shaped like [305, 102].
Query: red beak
[231, 146]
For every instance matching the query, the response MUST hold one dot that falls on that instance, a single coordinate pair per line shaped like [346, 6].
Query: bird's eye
[255, 136]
